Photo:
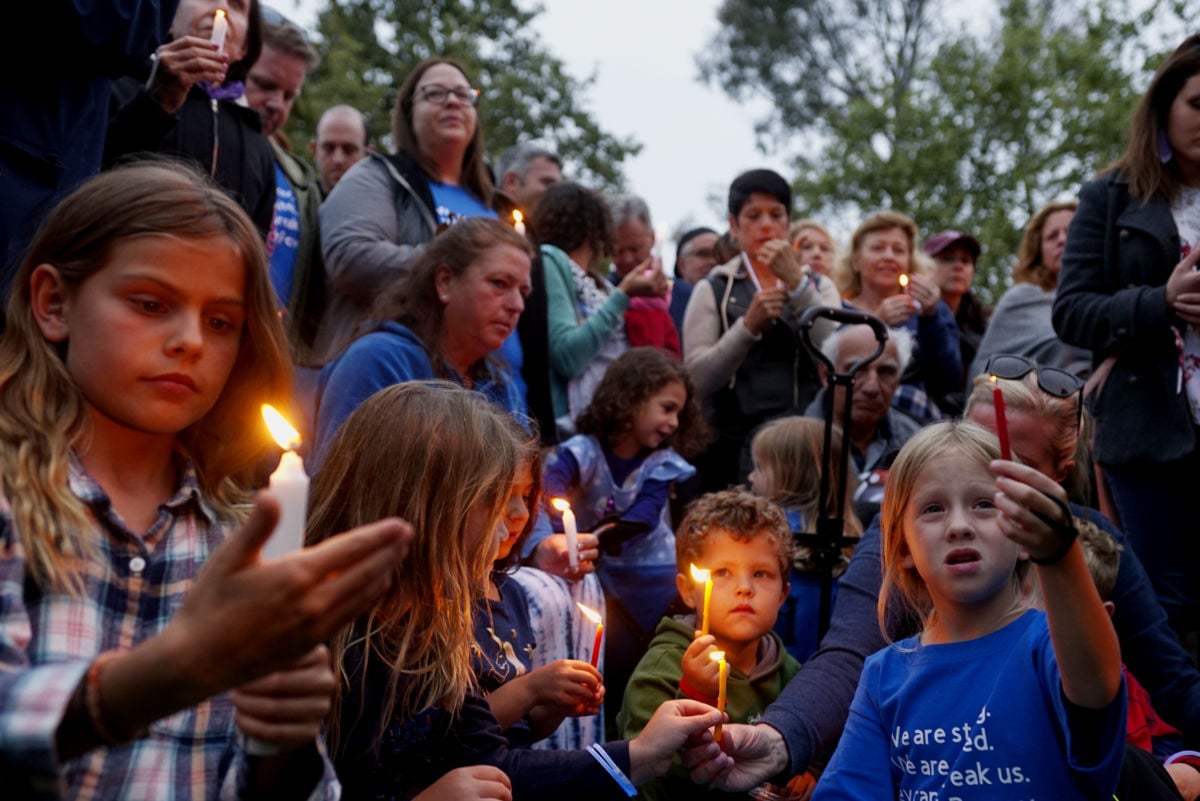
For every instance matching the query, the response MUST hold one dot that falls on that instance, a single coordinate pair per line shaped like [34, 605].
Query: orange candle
[594, 616]
[700, 574]
[722, 679]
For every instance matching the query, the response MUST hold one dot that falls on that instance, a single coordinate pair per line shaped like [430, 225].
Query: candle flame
[716, 656]
[218, 14]
[561, 505]
[590, 614]
[903, 279]
[700, 574]
[518, 217]
[992, 378]
[281, 430]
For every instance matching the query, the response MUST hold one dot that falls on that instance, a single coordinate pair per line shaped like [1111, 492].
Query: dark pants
[1157, 504]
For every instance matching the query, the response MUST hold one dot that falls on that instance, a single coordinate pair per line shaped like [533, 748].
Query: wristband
[91, 695]
[600, 755]
[1065, 531]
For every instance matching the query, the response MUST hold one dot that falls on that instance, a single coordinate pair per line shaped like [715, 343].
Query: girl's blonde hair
[440, 457]
[791, 448]
[940, 439]
[43, 415]
[1029, 268]
[845, 270]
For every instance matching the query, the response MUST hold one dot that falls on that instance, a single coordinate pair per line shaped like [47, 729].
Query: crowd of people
[797, 518]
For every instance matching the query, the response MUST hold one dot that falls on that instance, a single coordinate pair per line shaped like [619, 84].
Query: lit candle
[700, 574]
[219, 29]
[289, 486]
[519, 222]
[1001, 420]
[722, 680]
[594, 616]
[904, 283]
[569, 529]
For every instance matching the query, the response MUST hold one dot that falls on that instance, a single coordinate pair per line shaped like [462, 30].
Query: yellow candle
[700, 574]
[722, 680]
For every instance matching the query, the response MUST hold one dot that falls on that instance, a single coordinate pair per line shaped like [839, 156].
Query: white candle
[219, 29]
[518, 222]
[289, 486]
[568, 518]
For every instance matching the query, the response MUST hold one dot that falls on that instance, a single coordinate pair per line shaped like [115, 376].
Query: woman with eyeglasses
[804, 723]
[386, 208]
[1021, 322]
[1130, 293]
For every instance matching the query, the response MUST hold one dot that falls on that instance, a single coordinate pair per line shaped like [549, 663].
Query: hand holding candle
[220, 29]
[289, 486]
[1001, 420]
[594, 616]
[700, 574]
[722, 680]
[568, 518]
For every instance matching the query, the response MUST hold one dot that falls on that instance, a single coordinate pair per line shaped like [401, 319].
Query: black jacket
[1112, 299]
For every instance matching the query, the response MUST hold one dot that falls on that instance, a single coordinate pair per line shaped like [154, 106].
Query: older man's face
[874, 384]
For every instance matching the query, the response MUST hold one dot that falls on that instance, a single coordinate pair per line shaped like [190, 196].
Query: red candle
[1001, 420]
[594, 616]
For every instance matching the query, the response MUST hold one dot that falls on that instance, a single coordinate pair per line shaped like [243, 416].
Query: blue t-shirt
[975, 720]
[283, 241]
[503, 647]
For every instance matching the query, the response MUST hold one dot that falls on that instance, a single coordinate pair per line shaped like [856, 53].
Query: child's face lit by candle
[748, 586]
[516, 511]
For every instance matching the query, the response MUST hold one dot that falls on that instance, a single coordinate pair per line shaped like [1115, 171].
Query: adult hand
[646, 280]
[288, 707]
[665, 733]
[747, 756]
[245, 618]
[475, 783]
[784, 261]
[896, 310]
[1183, 289]
[766, 307]
[551, 556]
[699, 670]
[925, 293]
[183, 63]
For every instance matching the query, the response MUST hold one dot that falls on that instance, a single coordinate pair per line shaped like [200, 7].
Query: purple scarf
[231, 90]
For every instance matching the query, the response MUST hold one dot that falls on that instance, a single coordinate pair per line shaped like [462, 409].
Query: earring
[444, 297]
[1164, 147]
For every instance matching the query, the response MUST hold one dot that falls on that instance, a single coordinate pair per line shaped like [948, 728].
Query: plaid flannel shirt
[47, 641]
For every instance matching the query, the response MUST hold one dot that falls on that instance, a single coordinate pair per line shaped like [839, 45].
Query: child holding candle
[617, 473]
[528, 701]
[991, 693]
[407, 708]
[746, 543]
[787, 455]
[141, 340]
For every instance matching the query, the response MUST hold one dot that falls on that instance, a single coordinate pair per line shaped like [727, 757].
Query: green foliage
[369, 46]
[976, 132]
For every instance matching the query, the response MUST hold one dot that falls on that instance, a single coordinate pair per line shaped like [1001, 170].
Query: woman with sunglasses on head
[804, 723]
[386, 208]
[1130, 293]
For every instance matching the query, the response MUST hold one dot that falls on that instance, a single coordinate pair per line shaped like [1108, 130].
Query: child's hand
[550, 555]
[477, 783]
[568, 684]
[287, 707]
[700, 671]
[1033, 508]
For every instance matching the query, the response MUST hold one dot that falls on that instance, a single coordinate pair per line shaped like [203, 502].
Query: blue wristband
[600, 755]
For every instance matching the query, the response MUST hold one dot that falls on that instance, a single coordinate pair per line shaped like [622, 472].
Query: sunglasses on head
[1050, 380]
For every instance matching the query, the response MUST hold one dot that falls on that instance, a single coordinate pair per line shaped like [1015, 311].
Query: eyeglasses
[1050, 380]
[439, 95]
